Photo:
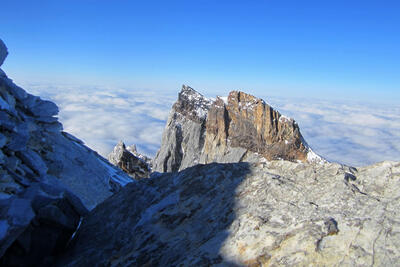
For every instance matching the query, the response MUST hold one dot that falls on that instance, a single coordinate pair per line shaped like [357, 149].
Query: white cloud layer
[103, 116]
[347, 132]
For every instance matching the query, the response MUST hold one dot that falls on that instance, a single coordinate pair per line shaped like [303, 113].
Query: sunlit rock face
[130, 161]
[277, 213]
[238, 128]
[183, 137]
[248, 122]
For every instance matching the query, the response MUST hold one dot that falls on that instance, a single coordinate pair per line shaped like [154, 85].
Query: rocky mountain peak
[240, 127]
[249, 122]
[130, 161]
[192, 104]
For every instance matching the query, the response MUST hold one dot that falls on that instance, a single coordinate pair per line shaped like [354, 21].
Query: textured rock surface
[37, 224]
[35, 156]
[277, 213]
[183, 137]
[240, 128]
[130, 161]
[33, 148]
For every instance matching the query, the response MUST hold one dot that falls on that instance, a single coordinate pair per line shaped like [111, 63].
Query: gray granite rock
[278, 213]
[238, 128]
[33, 146]
[37, 219]
[3, 140]
[33, 161]
[44, 108]
[126, 160]
[183, 137]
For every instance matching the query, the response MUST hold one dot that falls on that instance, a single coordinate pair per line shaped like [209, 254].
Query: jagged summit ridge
[236, 128]
[130, 161]
[192, 104]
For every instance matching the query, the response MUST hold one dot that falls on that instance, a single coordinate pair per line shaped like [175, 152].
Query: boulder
[37, 224]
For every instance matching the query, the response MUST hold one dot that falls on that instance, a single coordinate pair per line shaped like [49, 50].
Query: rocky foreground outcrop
[262, 212]
[130, 161]
[48, 178]
[238, 128]
[278, 213]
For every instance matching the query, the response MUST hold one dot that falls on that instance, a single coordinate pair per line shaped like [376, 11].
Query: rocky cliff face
[183, 137]
[130, 161]
[287, 212]
[278, 213]
[48, 178]
[238, 128]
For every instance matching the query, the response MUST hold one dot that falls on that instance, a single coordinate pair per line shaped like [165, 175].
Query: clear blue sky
[341, 49]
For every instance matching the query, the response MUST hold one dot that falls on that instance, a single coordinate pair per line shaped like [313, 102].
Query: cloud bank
[343, 131]
[103, 116]
[346, 131]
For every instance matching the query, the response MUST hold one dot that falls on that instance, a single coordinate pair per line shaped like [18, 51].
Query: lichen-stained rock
[238, 128]
[129, 162]
[277, 213]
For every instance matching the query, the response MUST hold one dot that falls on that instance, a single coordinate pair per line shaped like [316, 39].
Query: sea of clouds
[343, 131]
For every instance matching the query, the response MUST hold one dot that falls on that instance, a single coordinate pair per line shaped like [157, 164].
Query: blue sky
[321, 49]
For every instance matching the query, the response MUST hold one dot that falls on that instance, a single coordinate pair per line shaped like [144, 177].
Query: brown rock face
[248, 122]
[238, 128]
[130, 163]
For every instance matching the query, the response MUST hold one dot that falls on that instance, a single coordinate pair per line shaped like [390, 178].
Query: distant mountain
[237, 128]
[130, 161]
[260, 198]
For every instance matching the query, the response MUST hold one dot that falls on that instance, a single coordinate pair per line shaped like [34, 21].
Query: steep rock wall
[238, 128]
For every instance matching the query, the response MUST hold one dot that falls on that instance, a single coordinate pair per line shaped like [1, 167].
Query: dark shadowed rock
[277, 213]
[37, 224]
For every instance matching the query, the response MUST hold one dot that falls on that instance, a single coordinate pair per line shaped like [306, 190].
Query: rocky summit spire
[183, 137]
[129, 161]
[238, 128]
